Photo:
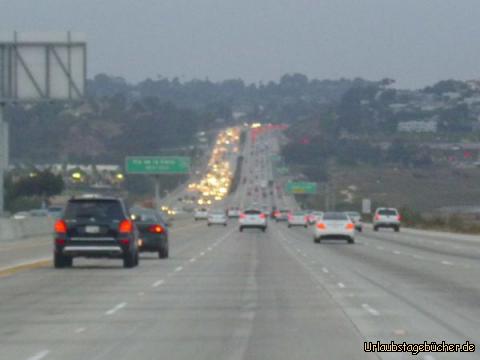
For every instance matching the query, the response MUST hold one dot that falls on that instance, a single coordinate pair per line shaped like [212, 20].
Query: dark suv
[95, 227]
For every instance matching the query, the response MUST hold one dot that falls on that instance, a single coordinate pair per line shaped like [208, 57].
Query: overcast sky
[416, 42]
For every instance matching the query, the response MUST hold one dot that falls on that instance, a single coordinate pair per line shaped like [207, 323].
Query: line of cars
[103, 227]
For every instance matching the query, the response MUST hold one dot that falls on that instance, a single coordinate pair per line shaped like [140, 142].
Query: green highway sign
[301, 187]
[157, 165]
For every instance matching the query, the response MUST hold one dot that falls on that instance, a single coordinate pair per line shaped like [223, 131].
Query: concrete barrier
[11, 229]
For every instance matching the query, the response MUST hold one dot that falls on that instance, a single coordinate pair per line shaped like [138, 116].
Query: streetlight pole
[3, 156]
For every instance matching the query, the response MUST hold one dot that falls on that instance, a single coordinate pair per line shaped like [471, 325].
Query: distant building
[417, 126]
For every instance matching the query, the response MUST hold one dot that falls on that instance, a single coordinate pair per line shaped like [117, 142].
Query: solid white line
[192, 260]
[79, 330]
[202, 253]
[396, 252]
[180, 268]
[158, 283]
[371, 310]
[325, 270]
[209, 248]
[40, 355]
[115, 308]
[341, 285]
[380, 247]
[445, 262]
[419, 257]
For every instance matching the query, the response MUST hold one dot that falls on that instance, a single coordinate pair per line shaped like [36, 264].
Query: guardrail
[11, 229]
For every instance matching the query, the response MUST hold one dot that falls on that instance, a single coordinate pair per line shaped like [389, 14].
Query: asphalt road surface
[251, 295]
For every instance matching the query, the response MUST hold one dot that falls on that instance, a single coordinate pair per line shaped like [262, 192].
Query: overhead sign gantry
[38, 67]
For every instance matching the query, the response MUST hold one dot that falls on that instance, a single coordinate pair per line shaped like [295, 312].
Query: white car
[253, 218]
[233, 212]
[200, 214]
[298, 218]
[386, 217]
[217, 217]
[356, 219]
[334, 225]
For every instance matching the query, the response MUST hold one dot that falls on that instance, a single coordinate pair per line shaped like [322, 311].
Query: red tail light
[307, 218]
[350, 226]
[262, 216]
[276, 213]
[60, 227]
[60, 242]
[124, 241]
[242, 216]
[399, 217]
[377, 217]
[156, 229]
[321, 226]
[125, 226]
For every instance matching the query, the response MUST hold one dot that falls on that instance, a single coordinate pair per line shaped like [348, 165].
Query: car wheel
[129, 260]
[316, 240]
[397, 228]
[360, 229]
[240, 228]
[59, 261]
[375, 228]
[351, 241]
[306, 226]
[264, 229]
[289, 225]
[225, 224]
[163, 253]
[68, 261]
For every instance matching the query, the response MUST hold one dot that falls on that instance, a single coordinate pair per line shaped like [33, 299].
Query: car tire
[59, 261]
[375, 228]
[163, 253]
[360, 229]
[240, 228]
[68, 261]
[289, 225]
[316, 240]
[129, 260]
[397, 228]
[225, 224]
[306, 226]
[351, 241]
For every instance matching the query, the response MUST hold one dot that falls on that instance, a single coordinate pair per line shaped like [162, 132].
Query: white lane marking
[158, 283]
[418, 257]
[341, 285]
[380, 247]
[429, 357]
[40, 355]
[202, 253]
[141, 293]
[325, 270]
[366, 244]
[192, 260]
[116, 308]
[396, 252]
[370, 310]
[209, 248]
[79, 330]
[180, 268]
[445, 262]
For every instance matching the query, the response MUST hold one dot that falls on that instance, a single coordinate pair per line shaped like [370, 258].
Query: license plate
[92, 229]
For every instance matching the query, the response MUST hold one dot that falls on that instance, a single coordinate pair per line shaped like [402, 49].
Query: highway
[229, 295]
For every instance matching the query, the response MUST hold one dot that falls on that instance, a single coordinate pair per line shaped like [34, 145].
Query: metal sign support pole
[3, 155]
[157, 192]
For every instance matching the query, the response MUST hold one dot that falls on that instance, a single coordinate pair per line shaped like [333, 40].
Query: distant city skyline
[417, 43]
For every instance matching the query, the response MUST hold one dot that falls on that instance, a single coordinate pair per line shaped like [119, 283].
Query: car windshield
[335, 216]
[387, 212]
[94, 209]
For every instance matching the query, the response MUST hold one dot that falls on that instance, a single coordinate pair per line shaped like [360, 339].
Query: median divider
[13, 230]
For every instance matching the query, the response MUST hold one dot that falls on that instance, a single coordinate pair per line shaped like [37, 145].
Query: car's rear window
[145, 217]
[335, 216]
[253, 212]
[353, 214]
[94, 209]
[388, 212]
[299, 213]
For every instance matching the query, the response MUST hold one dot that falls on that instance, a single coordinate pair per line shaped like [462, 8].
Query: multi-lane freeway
[252, 295]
